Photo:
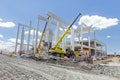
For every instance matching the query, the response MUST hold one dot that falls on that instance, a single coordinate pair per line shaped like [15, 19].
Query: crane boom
[63, 35]
[40, 42]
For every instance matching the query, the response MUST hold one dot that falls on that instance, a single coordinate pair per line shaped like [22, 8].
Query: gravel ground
[107, 69]
[27, 69]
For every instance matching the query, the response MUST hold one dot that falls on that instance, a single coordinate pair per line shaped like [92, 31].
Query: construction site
[58, 39]
[58, 50]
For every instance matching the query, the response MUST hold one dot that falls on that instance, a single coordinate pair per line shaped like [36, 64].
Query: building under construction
[49, 30]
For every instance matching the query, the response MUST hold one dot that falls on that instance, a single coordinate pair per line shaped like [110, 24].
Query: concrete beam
[51, 22]
[26, 25]
[57, 18]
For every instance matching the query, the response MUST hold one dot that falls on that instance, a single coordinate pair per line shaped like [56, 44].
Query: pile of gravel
[113, 71]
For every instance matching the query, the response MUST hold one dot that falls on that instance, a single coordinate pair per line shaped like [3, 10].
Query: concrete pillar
[101, 51]
[89, 41]
[17, 38]
[105, 50]
[57, 32]
[28, 42]
[53, 40]
[22, 39]
[64, 44]
[72, 39]
[50, 34]
[95, 42]
[61, 44]
[37, 29]
[81, 35]
[33, 41]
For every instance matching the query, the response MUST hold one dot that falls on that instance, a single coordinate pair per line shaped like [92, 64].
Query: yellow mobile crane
[56, 48]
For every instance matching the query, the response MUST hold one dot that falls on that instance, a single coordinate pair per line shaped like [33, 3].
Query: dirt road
[26, 69]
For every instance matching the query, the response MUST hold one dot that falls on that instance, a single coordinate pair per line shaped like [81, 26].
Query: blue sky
[22, 11]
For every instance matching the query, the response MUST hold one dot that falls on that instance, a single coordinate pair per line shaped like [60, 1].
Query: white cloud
[108, 36]
[9, 45]
[6, 24]
[5, 45]
[0, 19]
[77, 39]
[1, 36]
[1, 41]
[74, 27]
[98, 22]
[61, 29]
[69, 36]
[32, 32]
[13, 40]
[84, 39]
